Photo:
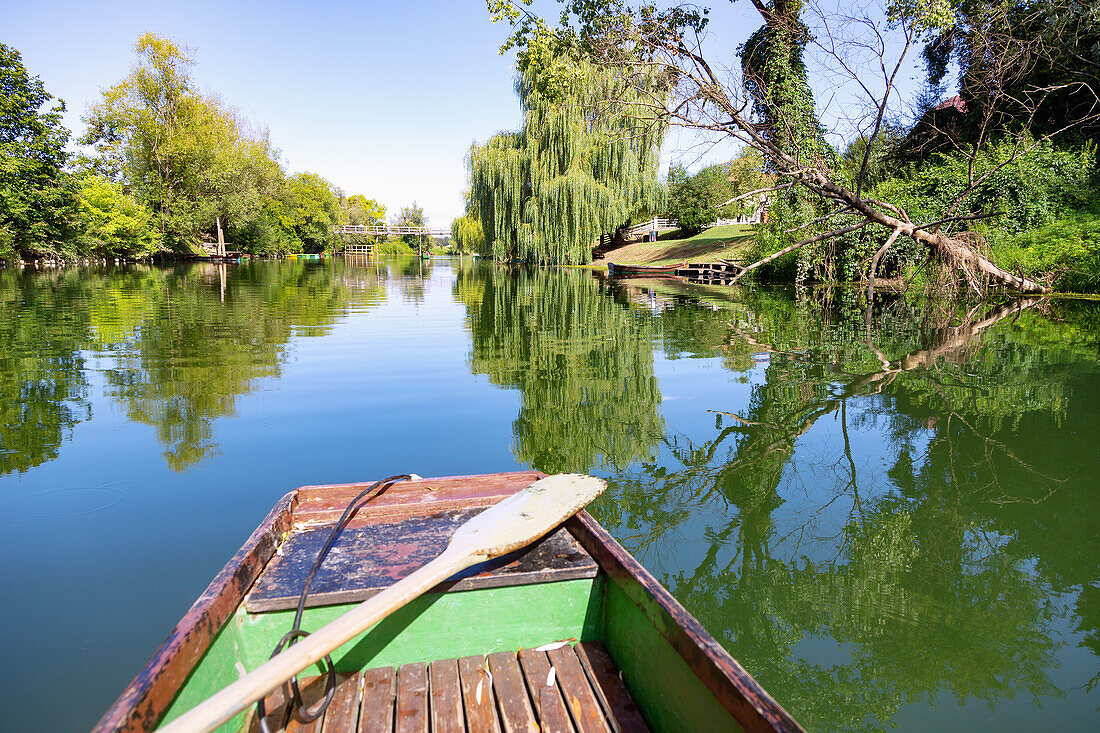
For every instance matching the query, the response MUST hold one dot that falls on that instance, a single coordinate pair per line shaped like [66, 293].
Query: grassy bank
[723, 242]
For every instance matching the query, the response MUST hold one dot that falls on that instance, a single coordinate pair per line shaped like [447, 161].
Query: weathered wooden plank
[740, 694]
[324, 504]
[412, 699]
[148, 696]
[547, 698]
[516, 713]
[313, 692]
[276, 706]
[365, 560]
[477, 695]
[446, 697]
[622, 713]
[579, 698]
[376, 707]
[555, 718]
[342, 715]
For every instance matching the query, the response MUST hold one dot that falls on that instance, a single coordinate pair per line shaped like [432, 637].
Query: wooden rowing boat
[617, 270]
[482, 651]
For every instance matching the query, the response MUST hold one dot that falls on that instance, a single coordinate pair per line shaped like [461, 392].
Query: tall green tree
[578, 168]
[113, 223]
[314, 210]
[411, 216]
[37, 199]
[362, 211]
[185, 155]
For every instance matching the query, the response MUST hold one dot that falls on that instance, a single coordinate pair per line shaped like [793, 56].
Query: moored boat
[617, 270]
[569, 633]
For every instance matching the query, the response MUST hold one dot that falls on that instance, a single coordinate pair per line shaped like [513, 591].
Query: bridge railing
[390, 229]
[653, 225]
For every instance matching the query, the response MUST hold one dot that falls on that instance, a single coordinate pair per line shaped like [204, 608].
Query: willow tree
[580, 167]
[860, 51]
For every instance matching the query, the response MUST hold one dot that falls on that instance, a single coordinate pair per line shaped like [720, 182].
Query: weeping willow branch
[584, 163]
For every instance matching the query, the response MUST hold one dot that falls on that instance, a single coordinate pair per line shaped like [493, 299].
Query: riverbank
[726, 242]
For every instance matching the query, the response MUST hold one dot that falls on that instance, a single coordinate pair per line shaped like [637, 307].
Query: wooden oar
[513, 523]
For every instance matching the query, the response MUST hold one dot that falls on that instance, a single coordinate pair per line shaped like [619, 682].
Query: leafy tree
[37, 197]
[232, 174]
[577, 169]
[693, 200]
[467, 235]
[411, 216]
[466, 232]
[112, 223]
[688, 202]
[311, 210]
[185, 155]
[361, 211]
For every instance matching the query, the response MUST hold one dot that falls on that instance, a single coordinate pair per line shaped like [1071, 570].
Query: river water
[892, 519]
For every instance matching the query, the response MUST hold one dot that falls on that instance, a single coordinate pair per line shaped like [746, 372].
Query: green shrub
[1066, 251]
[394, 247]
[113, 223]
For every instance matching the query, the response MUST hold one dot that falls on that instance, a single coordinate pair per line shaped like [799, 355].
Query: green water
[892, 520]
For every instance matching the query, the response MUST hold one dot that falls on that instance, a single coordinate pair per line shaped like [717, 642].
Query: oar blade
[527, 515]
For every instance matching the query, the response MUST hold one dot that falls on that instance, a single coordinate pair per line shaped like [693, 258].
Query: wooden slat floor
[570, 689]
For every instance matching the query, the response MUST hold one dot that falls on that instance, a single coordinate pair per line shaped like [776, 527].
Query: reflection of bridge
[387, 229]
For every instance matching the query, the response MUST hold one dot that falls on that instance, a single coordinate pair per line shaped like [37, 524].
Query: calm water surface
[891, 519]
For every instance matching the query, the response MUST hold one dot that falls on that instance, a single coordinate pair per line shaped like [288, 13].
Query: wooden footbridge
[382, 230]
[387, 229]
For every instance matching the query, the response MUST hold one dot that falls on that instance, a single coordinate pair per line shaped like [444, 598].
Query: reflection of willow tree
[931, 588]
[582, 362]
[42, 383]
[210, 333]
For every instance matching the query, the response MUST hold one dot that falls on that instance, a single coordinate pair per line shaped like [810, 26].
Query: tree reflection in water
[43, 387]
[849, 591]
[582, 362]
[180, 345]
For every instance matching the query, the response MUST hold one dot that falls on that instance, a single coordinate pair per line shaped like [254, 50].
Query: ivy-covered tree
[770, 106]
[37, 199]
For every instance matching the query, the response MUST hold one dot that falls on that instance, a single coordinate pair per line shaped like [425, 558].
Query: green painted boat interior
[465, 623]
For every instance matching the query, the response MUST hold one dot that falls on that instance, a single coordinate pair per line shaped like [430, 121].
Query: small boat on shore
[617, 270]
[569, 633]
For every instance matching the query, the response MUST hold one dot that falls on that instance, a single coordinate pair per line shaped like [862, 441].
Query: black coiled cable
[296, 632]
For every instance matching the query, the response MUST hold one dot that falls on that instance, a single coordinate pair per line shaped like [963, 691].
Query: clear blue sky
[381, 98]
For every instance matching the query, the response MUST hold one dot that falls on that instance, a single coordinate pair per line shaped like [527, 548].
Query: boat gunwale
[750, 704]
[149, 695]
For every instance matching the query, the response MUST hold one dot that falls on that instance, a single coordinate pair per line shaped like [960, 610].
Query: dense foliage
[717, 191]
[170, 170]
[578, 168]
[37, 197]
